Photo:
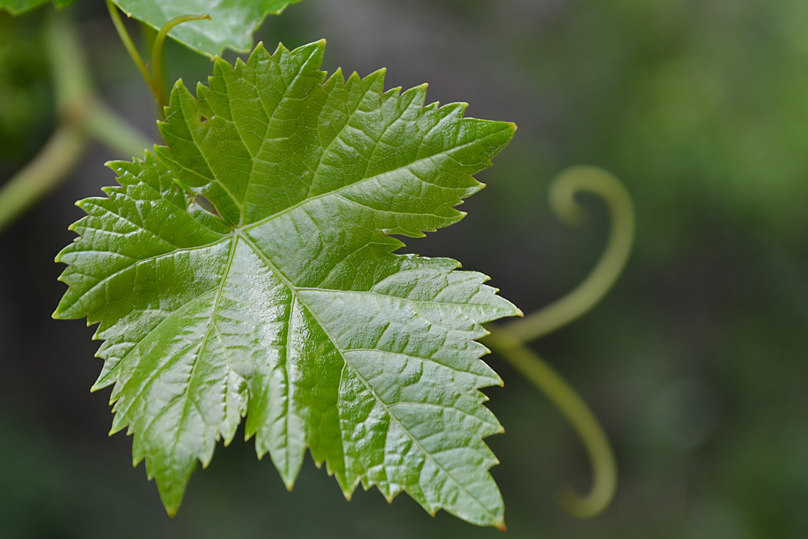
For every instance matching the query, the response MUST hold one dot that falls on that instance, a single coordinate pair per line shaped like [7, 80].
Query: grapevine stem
[509, 341]
[154, 80]
[71, 77]
[130, 48]
[157, 54]
[66, 146]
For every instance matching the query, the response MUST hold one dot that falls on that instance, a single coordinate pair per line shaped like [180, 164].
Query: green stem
[52, 164]
[609, 267]
[572, 406]
[147, 36]
[131, 49]
[75, 100]
[157, 54]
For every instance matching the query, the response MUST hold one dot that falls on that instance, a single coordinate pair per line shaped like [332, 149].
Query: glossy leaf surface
[284, 301]
[232, 23]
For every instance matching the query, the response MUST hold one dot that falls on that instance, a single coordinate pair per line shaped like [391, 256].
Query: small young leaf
[248, 269]
[231, 26]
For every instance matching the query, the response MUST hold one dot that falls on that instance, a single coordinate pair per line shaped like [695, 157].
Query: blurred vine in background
[80, 114]
[24, 85]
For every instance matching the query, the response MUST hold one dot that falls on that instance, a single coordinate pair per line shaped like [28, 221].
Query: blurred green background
[695, 362]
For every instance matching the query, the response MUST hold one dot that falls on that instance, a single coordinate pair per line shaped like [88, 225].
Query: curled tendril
[609, 267]
[509, 341]
[154, 79]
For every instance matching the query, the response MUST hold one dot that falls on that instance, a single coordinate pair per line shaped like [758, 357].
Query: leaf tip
[117, 426]
[500, 525]
[178, 84]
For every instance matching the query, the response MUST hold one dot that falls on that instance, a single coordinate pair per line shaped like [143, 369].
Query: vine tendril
[509, 341]
[609, 267]
[538, 372]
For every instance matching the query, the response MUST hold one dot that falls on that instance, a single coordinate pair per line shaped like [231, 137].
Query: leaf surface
[232, 23]
[285, 303]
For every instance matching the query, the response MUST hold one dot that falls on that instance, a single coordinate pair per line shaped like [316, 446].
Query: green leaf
[15, 7]
[231, 26]
[285, 301]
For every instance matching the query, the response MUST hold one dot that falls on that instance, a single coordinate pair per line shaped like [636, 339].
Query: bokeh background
[695, 362]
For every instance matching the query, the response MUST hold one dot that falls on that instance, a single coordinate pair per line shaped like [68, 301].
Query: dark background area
[695, 362]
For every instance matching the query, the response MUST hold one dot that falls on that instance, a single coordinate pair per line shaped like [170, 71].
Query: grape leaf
[16, 7]
[283, 301]
[231, 26]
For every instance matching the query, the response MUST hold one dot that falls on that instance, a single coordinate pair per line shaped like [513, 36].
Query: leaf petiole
[157, 55]
[154, 79]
